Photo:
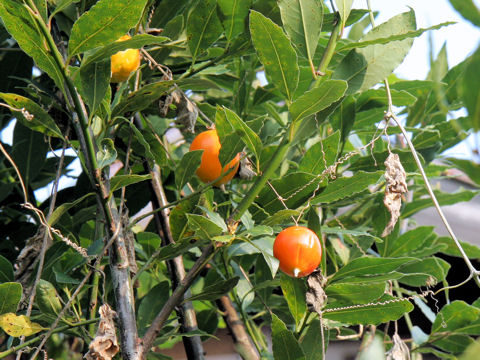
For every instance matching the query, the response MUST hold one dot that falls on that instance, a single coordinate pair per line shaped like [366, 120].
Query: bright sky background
[461, 40]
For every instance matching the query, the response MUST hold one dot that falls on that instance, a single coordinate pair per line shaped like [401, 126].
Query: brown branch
[242, 342]
[175, 299]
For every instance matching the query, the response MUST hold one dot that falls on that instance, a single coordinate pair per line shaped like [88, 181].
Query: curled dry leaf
[395, 187]
[246, 171]
[104, 346]
[316, 297]
[187, 112]
[399, 351]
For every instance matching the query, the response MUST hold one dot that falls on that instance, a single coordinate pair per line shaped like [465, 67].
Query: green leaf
[215, 291]
[377, 161]
[280, 216]
[343, 118]
[152, 303]
[227, 121]
[203, 27]
[356, 232]
[302, 20]
[105, 22]
[394, 275]
[22, 26]
[419, 273]
[391, 309]
[285, 345]
[276, 53]
[311, 343]
[317, 99]
[344, 7]
[234, 13]
[178, 217]
[10, 296]
[355, 293]
[327, 149]
[41, 121]
[370, 266]
[468, 9]
[95, 79]
[471, 250]
[469, 167]
[443, 198]
[406, 243]
[365, 67]
[6, 270]
[471, 89]
[62, 209]
[187, 167]
[107, 154]
[204, 228]
[47, 298]
[142, 98]
[294, 292]
[17, 326]
[120, 181]
[345, 187]
[136, 42]
[395, 37]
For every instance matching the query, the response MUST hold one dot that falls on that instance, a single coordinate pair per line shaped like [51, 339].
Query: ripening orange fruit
[298, 250]
[210, 167]
[123, 63]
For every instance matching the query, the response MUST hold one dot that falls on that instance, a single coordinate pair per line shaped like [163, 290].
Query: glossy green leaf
[152, 303]
[285, 345]
[6, 270]
[47, 298]
[187, 167]
[294, 293]
[142, 98]
[317, 99]
[106, 51]
[302, 20]
[471, 89]
[204, 227]
[314, 163]
[364, 67]
[276, 53]
[348, 232]
[104, 23]
[355, 293]
[420, 272]
[468, 9]
[203, 27]
[10, 295]
[215, 291]
[22, 26]
[388, 308]
[234, 13]
[279, 217]
[107, 154]
[370, 266]
[443, 198]
[394, 275]
[40, 120]
[406, 243]
[120, 181]
[95, 79]
[344, 7]
[395, 37]
[62, 209]
[347, 186]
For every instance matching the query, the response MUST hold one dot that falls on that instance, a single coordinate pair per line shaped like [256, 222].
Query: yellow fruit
[124, 62]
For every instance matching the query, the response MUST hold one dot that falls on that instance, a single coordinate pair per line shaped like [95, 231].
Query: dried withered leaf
[395, 187]
[187, 112]
[399, 351]
[315, 296]
[104, 346]
[164, 104]
[246, 171]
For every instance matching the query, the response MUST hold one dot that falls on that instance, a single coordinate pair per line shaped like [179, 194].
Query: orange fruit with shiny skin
[298, 250]
[210, 167]
[123, 63]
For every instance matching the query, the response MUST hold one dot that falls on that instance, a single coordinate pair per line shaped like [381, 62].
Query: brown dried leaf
[315, 296]
[395, 187]
[246, 171]
[104, 346]
[187, 112]
[399, 351]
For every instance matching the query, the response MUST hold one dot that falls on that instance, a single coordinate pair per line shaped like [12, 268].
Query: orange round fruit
[298, 250]
[210, 167]
[123, 63]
